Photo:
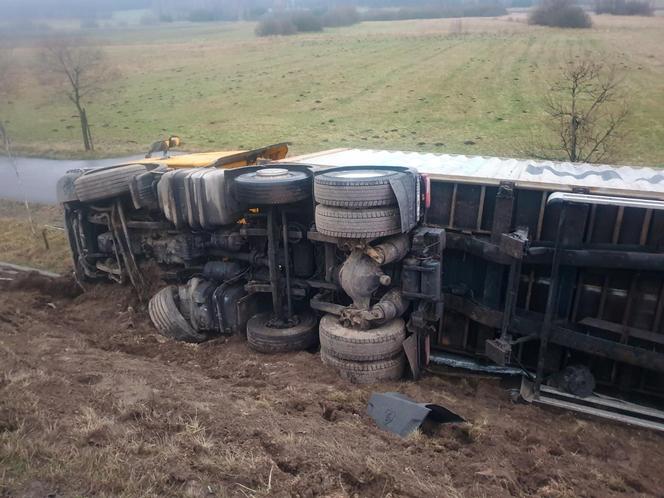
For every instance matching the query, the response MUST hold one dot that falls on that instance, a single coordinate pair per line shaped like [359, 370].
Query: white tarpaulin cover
[541, 175]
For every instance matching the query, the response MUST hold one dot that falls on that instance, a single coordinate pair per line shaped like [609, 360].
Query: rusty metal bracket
[498, 351]
[429, 242]
[515, 244]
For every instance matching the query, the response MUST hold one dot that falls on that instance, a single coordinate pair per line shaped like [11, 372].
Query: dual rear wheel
[363, 356]
[357, 203]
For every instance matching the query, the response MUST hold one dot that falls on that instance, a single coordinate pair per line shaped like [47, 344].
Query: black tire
[381, 343]
[367, 372]
[574, 379]
[107, 182]
[356, 188]
[164, 313]
[265, 339]
[357, 223]
[270, 186]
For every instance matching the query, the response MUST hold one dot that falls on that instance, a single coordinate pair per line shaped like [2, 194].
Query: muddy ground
[93, 402]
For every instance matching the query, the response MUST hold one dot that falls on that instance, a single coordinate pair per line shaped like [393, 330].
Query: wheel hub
[271, 172]
[283, 323]
[363, 174]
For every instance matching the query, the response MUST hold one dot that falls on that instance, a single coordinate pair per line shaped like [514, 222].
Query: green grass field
[427, 85]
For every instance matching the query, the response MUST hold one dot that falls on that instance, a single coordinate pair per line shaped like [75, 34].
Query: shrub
[274, 26]
[341, 16]
[624, 7]
[289, 23]
[305, 21]
[559, 13]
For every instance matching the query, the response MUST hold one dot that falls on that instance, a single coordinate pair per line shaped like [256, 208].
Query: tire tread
[367, 372]
[355, 223]
[381, 343]
[167, 318]
[106, 183]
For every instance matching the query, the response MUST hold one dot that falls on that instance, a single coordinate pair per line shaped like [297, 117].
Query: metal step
[596, 405]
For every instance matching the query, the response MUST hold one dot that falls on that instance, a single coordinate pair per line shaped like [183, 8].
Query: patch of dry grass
[109, 447]
[19, 245]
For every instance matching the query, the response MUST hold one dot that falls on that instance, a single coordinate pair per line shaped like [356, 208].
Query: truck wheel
[266, 339]
[167, 318]
[357, 223]
[356, 188]
[270, 186]
[367, 372]
[106, 182]
[380, 343]
[574, 379]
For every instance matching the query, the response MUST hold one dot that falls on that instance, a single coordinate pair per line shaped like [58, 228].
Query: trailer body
[610, 312]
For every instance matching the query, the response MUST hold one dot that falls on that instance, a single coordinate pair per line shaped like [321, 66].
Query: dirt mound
[94, 402]
[62, 287]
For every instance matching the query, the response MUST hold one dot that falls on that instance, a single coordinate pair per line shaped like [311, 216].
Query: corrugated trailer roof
[540, 175]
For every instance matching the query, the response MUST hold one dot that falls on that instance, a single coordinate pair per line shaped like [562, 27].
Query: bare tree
[587, 109]
[80, 68]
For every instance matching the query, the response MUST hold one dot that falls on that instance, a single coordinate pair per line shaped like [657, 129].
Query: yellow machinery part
[223, 159]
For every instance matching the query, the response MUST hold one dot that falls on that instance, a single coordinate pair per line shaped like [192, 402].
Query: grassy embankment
[430, 85]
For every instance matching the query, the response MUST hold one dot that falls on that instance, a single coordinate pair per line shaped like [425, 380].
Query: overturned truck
[383, 257]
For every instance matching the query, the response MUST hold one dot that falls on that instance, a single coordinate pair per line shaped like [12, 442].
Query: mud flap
[406, 189]
[417, 362]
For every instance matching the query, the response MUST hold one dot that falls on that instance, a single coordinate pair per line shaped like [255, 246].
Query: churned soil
[93, 402]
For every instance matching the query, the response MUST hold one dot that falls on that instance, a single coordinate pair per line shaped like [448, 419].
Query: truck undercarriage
[397, 259]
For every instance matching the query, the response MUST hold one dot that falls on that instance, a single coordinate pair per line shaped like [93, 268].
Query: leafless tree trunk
[586, 109]
[81, 69]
